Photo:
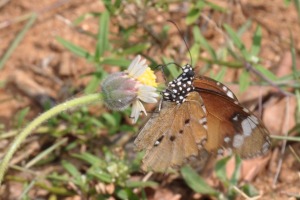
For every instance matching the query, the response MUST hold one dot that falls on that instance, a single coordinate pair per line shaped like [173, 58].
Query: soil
[40, 68]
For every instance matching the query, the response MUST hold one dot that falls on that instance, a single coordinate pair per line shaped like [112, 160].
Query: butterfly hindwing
[173, 134]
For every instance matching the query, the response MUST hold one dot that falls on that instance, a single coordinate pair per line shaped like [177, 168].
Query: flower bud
[119, 91]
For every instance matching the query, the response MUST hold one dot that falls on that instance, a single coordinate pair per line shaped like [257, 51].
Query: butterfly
[199, 114]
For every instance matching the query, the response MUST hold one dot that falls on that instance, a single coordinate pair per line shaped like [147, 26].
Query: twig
[245, 195]
[24, 17]
[249, 67]
[294, 152]
[287, 119]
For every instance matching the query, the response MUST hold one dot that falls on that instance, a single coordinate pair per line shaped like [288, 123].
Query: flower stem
[92, 98]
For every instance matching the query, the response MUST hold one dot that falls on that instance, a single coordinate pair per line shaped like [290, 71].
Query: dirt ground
[41, 68]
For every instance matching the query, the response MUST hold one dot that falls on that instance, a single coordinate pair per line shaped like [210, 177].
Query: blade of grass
[199, 38]
[296, 76]
[102, 37]
[75, 49]
[256, 41]
[18, 39]
[244, 81]
[288, 138]
[297, 5]
[45, 153]
[195, 182]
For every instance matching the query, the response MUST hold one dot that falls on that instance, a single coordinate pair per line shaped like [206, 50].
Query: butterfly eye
[190, 73]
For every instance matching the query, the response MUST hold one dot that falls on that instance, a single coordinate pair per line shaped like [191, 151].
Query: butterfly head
[180, 87]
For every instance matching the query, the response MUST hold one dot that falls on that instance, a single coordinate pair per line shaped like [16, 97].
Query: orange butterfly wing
[230, 125]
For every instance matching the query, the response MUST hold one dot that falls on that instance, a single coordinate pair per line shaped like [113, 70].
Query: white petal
[147, 94]
[137, 108]
[139, 71]
[147, 88]
[137, 67]
[148, 99]
[133, 63]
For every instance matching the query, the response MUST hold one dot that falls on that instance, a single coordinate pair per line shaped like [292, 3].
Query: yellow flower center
[148, 78]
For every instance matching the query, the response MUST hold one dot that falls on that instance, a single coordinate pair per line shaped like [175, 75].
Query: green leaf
[220, 169]
[89, 158]
[19, 37]
[236, 173]
[215, 7]
[93, 85]
[195, 182]
[297, 5]
[244, 80]
[287, 2]
[256, 41]
[136, 49]
[116, 62]
[237, 41]
[111, 119]
[101, 175]
[102, 36]
[141, 184]
[250, 190]
[126, 194]
[75, 49]
[71, 169]
[297, 113]
[21, 116]
[294, 60]
[267, 73]
[221, 74]
[234, 37]
[244, 27]
[85, 16]
[199, 38]
[193, 15]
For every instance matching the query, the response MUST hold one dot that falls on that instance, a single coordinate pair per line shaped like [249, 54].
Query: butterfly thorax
[180, 87]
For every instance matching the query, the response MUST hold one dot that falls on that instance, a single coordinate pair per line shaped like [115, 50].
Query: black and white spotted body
[180, 87]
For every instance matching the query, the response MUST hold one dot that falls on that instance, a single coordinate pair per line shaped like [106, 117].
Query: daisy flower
[131, 87]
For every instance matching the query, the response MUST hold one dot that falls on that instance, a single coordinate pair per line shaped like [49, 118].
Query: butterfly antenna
[181, 34]
[162, 68]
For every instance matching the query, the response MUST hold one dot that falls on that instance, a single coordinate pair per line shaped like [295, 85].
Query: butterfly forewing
[173, 134]
[214, 86]
[230, 126]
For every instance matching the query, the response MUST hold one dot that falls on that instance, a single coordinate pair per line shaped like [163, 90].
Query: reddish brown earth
[41, 66]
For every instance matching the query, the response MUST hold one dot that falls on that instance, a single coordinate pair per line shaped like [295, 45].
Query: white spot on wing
[247, 130]
[203, 120]
[252, 123]
[204, 109]
[238, 141]
[254, 119]
[227, 139]
[230, 94]
[246, 110]
[235, 118]
[224, 88]
[220, 151]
